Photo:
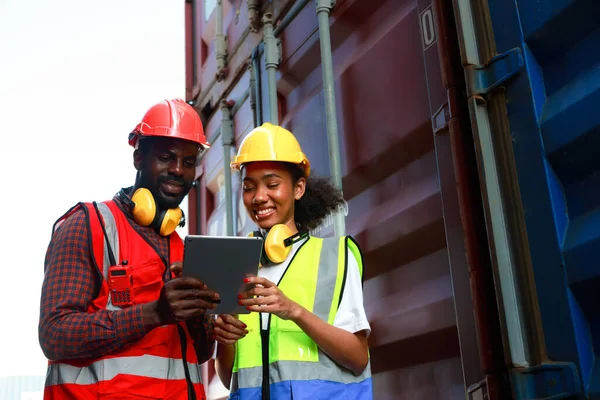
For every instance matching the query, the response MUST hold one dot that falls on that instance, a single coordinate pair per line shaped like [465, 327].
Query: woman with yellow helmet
[306, 337]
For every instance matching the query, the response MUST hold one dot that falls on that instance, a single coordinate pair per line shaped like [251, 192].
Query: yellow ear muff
[274, 246]
[170, 221]
[145, 207]
[278, 243]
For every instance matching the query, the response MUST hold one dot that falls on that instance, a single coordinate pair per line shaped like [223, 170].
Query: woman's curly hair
[320, 199]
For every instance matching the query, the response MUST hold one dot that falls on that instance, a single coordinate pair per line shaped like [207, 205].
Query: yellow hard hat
[270, 142]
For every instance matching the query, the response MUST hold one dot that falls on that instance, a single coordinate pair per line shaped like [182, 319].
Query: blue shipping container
[548, 60]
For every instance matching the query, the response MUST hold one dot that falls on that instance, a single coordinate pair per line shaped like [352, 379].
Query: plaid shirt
[71, 282]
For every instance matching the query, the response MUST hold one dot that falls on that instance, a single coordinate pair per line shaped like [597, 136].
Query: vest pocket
[248, 350]
[290, 343]
[248, 354]
[147, 282]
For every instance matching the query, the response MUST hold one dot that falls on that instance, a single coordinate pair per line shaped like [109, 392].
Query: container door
[550, 52]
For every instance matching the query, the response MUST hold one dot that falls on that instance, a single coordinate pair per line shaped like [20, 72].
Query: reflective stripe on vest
[279, 371]
[327, 281]
[113, 238]
[314, 279]
[146, 366]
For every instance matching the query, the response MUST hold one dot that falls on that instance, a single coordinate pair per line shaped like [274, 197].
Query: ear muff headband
[145, 213]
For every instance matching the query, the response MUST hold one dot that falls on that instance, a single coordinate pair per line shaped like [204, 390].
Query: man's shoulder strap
[102, 231]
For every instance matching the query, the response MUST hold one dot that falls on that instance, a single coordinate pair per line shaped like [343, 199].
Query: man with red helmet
[117, 320]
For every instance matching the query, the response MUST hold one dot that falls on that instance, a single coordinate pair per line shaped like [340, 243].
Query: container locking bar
[551, 381]
[484, 79]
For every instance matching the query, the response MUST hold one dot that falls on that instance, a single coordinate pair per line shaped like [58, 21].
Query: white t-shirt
[351, 313]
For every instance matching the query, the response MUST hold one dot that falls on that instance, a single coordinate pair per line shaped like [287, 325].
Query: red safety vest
[152, 367]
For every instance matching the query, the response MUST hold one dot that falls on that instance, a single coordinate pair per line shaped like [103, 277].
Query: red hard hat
[171, 118]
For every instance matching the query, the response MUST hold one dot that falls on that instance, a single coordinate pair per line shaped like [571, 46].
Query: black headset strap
[182, 221]
[183, 340]
[296, 237]
[125, 198]
[111, 256]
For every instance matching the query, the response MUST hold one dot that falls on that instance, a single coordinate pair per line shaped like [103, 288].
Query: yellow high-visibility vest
[296, 367]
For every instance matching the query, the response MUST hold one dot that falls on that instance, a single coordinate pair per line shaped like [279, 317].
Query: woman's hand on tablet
[268, 298]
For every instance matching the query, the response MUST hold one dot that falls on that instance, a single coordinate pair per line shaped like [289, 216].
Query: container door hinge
[552, 381]
[484, 79]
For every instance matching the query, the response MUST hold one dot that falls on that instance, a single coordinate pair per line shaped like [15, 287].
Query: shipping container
[462, 131]
[536, 142]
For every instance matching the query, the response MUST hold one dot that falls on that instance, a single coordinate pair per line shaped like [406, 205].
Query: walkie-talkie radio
[120, 284]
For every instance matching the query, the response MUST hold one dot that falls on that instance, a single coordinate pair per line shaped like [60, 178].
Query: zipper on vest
[167, 273]
[264, 338]
[264, 342]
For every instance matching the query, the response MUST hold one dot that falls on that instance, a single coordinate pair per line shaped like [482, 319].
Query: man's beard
[164, 202]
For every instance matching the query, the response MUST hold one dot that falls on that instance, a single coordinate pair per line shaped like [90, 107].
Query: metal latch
[551, 381]
[478, 391]
[484, 79]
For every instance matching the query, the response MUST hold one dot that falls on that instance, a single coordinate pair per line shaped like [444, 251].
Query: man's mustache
[172, 179]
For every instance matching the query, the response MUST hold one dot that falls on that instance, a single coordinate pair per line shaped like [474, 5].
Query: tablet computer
[222, 263]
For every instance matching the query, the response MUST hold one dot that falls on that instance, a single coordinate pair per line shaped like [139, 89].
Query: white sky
[75, 78]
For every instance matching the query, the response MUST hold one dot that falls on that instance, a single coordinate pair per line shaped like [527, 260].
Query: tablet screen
[222, 263]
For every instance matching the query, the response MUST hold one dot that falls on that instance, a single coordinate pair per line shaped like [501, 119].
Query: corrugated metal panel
[22, 387]
[555, 131]
[390, 182]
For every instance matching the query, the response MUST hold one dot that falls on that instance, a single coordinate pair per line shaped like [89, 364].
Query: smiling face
[269, 193]
[167, 167]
